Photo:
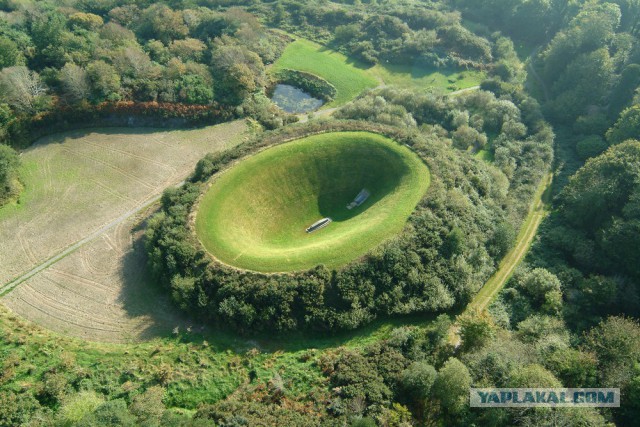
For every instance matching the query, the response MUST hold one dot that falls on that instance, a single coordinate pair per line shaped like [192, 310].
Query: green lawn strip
[419, 77]
[351, 77]
[508, 264]
[347, 77]
[255, 214]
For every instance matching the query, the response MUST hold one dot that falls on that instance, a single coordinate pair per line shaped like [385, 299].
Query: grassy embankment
[255, 215]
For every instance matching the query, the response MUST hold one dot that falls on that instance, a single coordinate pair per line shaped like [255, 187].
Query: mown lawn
[420, 77]
[348, 79]
[351, 77]
[255, 215]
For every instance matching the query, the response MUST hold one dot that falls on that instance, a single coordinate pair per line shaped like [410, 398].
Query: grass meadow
[75, 183]
[351, 77]
[348, 79]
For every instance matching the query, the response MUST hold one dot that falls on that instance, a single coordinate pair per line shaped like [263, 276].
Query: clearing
[255, 215]
[76, 183]
[351, 77]
[348, 79]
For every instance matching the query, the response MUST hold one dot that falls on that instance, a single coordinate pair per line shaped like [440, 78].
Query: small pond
[294, 100]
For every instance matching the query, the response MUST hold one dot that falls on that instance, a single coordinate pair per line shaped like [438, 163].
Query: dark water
[294, 100]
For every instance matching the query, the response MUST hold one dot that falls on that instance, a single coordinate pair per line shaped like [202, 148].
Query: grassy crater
[254, 215]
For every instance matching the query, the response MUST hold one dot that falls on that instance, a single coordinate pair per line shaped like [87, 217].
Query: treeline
[576, 299]
[424, 33]
[448, 249]
[416, 376]
[9, 179]
[590, 68]
[531, 21]
[590, 243]
[587, 63]
[88, 53]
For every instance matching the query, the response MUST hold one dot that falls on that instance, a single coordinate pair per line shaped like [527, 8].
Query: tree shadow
[379, 183]
[79, 132]
[142, 296]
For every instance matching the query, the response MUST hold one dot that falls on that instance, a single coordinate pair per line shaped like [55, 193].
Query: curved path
[537, 212]
[77, 245]
[489, 291]
[71, 254]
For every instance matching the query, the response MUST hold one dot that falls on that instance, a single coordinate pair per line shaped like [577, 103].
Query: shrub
[591, 146]
[312, 84]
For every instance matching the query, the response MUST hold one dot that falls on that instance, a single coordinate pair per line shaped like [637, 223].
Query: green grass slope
[349, 80]
[254, 216]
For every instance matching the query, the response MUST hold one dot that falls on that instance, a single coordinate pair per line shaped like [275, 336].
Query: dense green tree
[627, 126]
[76, 407]
[194, 89]
[358, 378]
[538, 283]
[538, 327]
[533, 376]
[616, 343]
[585, 81]
[9, 53]
[502, 240]
[622, 93]
[600, 204]
[162, 23]
[148, 406]
[105, 81]
[16, 409]
[113, 413]
[575, 368]
[86, 21]
[48, 32]
[451, 386]
[239, 72]
[416, 381]
[590, 146]
[476, 329]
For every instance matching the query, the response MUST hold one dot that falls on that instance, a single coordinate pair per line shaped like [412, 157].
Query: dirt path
[509, 263]
[467, 89]
[494, 285]
[528, 231]
[96, 234]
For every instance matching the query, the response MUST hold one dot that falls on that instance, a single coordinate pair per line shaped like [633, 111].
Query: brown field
[86, 193]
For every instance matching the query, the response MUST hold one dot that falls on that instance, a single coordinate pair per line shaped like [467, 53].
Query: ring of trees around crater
[448, 248]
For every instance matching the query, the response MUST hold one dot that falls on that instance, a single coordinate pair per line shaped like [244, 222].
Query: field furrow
[91, 190]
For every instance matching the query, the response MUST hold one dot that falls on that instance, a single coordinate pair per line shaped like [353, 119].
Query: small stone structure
[362, 197]
[318, 225]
